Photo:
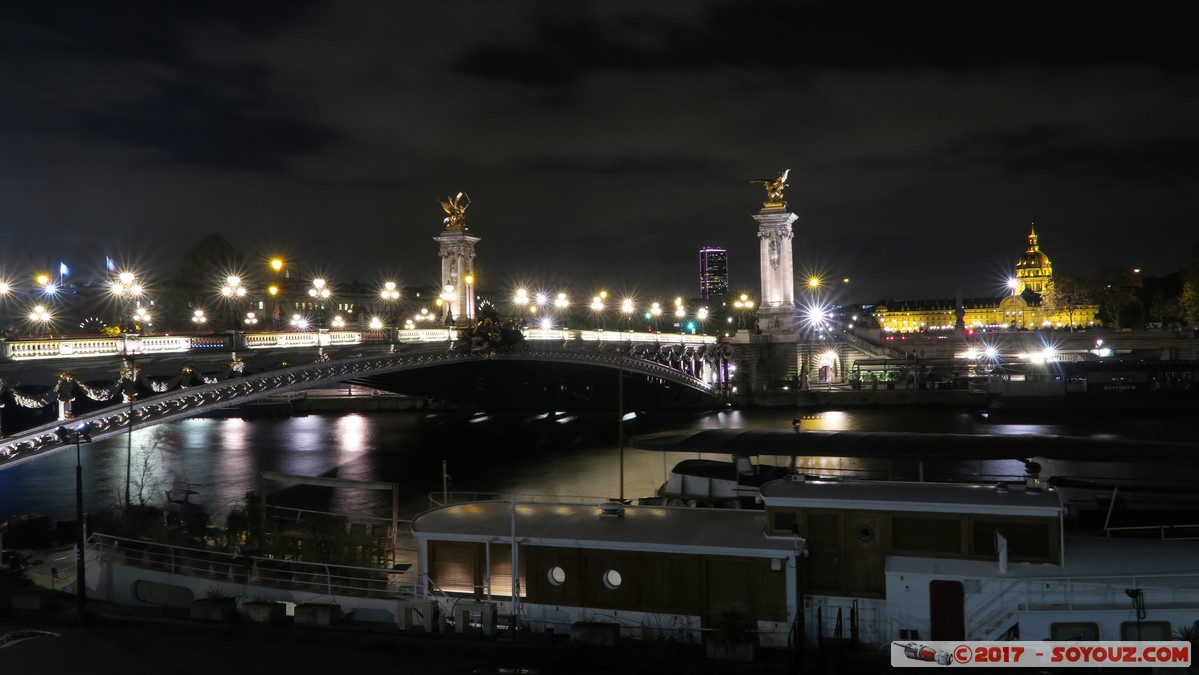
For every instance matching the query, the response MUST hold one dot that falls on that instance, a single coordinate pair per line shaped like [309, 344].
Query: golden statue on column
[774, 190]
[455, 208]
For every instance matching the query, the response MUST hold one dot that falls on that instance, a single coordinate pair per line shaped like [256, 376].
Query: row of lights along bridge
[124, 302]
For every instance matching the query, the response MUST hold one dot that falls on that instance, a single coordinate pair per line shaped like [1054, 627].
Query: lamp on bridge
[40, 317]
[127, 289]
[78, 436]
[390, 294]
[141, 320]
[320, 292]
[626, 308]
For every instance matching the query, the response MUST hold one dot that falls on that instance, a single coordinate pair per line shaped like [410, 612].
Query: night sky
[602, 143]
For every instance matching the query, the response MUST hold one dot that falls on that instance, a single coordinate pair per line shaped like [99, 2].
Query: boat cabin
[663, 571]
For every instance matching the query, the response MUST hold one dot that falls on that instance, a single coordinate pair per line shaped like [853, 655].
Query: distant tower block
[457, 259]
[713, 272]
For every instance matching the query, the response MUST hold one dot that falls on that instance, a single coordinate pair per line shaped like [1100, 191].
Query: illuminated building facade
[713, 272]
[1021, 308]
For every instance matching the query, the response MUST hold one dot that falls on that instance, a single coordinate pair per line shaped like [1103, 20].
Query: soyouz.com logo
[1055, 654]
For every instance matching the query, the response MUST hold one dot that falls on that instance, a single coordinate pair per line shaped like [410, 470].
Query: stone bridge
[552, 370]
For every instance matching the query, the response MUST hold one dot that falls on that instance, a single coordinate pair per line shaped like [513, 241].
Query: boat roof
[641, 528]
[917, 446]
[910, 496]
[1096, 557]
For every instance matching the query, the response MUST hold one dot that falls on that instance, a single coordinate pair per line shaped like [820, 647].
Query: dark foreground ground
[148, 641]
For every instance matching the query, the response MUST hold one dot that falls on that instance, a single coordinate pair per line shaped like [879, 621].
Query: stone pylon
[776, 309]
[457, 270]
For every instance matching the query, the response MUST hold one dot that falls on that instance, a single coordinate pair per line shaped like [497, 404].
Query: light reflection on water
[530, 455]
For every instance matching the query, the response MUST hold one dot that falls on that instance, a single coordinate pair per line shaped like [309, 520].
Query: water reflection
[541, 454]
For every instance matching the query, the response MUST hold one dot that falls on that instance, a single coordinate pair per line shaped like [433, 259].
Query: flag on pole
[110, 265]
[63, 270]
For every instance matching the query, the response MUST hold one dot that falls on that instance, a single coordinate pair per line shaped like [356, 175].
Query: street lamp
[338, 323]
[626, 308]
[744, 306]
[199, 318]
[319, 292]
[597, 306]
[41, 316]
[251, 319]
[448, 296]
[127, 290]
[141, 319]
[78, 436]
[233, 291]
[390, 294]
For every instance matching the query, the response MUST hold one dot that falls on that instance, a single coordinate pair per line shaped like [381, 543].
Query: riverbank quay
[843, 396]
[152, 640]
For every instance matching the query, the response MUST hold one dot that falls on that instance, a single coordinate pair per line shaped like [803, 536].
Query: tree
[196, 284]
[1190, 301]
[1116, 290]
[1066, 295]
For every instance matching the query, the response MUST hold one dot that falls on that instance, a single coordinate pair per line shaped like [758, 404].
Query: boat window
[1158, 631]
[612, 579]
[557, 575]
[1074, 630]
[865, 532]
[926, 534]
[784, 523]
[453, 567]
[1027, 541]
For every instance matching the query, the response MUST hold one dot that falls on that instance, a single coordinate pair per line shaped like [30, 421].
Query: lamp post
[597, 306]
[389, 294]
[78, 436]
[448, 296]
[40, 316]
[233, 292]
[319, 293]
[141, 319]
[626, 308]
[520, 300]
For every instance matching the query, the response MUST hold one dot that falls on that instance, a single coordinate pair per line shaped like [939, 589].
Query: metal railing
[237, 569]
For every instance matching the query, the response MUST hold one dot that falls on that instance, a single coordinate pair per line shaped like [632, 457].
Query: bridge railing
[124, 345]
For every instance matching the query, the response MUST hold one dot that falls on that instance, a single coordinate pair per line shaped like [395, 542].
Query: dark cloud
[603, 143]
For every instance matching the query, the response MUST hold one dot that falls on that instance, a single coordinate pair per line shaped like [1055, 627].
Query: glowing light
[39, 314]
[276, 264]
[376, 323]
[338, 322]
[814, 282]
[520, 297]
[626, 306]
[198, 317]
[561, 302]
[597, 304]
[390, 292]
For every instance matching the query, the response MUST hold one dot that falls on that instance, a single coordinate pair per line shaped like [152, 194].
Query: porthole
[865, 533]
[556, 575]
[612, 579]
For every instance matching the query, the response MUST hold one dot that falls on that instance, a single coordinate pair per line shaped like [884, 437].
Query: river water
[561, 455]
